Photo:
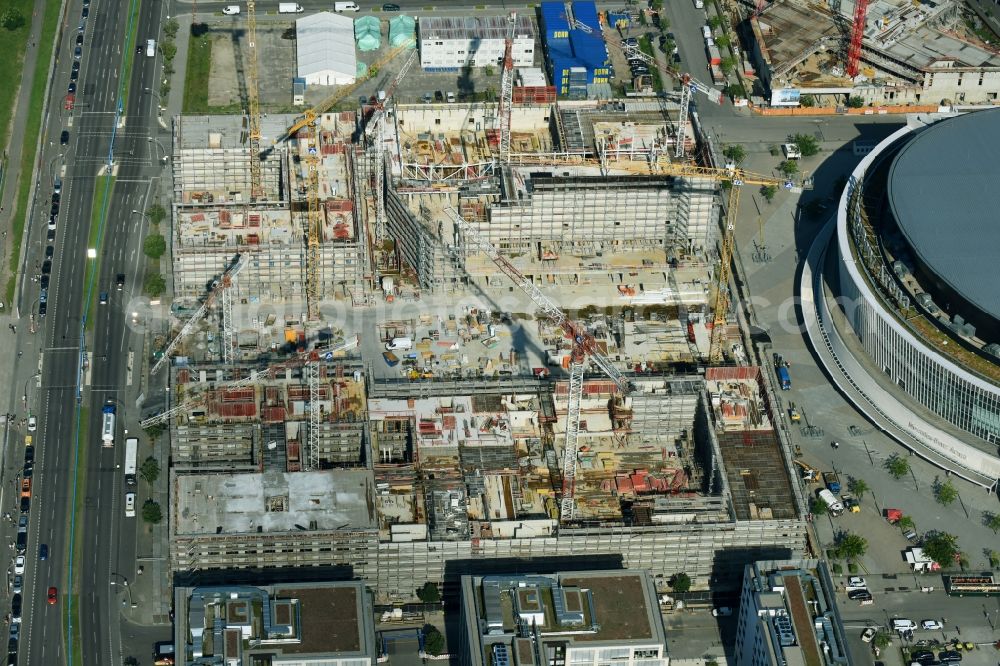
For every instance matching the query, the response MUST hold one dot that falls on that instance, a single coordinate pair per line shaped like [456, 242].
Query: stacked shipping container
[576, 58]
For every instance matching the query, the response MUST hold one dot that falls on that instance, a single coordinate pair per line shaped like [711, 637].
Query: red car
[53, 596]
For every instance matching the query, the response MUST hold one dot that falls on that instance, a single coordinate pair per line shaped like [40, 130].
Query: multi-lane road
[72, 469]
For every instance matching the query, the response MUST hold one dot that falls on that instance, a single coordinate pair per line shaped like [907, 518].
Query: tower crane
[507, 89]
[376, 128]
[218, 287]
[308, 119]
[253, 106]
[584, 348]
[689, 84]
[311, 357]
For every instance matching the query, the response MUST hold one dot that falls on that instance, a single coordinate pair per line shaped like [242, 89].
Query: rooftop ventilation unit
[783, 627]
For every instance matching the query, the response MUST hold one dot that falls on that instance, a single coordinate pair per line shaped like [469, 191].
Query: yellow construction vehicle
[809, 473]
[793, 413]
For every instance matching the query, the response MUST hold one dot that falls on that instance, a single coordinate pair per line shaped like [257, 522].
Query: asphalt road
[105, 546]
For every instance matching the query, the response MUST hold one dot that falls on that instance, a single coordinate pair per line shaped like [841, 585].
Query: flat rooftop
[274, 501]
[330, 618]
[620, 605]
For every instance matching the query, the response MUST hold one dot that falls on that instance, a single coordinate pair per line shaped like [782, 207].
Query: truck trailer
[832, 481]
[831, 501]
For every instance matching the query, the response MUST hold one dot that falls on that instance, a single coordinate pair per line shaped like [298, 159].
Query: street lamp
[125, 585]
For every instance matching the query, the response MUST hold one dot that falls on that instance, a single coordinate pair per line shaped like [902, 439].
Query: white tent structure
[325, 49]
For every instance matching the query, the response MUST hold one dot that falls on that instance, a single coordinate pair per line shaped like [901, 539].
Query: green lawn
[12, 47]
[32, 127]
[199, 63]
[104, 187]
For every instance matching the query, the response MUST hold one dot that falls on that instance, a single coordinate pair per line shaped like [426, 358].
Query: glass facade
[966, 400]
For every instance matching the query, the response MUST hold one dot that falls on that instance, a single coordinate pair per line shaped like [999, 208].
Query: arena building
[917, 243]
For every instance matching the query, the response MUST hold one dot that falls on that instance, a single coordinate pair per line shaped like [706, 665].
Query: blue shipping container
[618, 20]
[588, 48]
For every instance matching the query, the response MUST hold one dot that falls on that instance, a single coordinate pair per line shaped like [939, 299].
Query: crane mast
[220, 286]
[507, 89]
[584, 346]
[253, 106]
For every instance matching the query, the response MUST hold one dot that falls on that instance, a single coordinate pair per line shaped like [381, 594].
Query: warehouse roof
[325, 43]
[941, 190]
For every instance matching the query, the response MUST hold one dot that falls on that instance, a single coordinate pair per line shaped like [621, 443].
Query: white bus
[108, 426]
[131, 448]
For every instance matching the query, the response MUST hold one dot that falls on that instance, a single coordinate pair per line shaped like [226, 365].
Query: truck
[699, 4]
[831, 501]
[108, 426]
[784, 379]
[289, 8]
[131, 448]
[831, 481]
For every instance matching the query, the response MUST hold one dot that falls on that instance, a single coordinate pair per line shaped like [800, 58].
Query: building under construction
[461, 474]
[215, 219]
[581, 200]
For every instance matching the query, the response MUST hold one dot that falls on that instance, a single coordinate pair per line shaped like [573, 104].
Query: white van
[706, 31]
[791, 151]
[231, 10]
[901, 625]
[399, 344]
[346, 7]
[130, 505]
[289, 8]
[150, 48]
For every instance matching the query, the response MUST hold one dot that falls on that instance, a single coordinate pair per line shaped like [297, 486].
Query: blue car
[43, 552]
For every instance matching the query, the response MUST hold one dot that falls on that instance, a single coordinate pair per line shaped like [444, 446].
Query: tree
[489, 70]
[722, 41]
[855, 102]
[736, 90]
[156, 213]
[992, 521]
[789, 168]
[807, 143]
[154, 284]
[881, 640]
[906, 524]
[433, 640]
[768, 192]
[171, 27]
[12, 19]
[897, 467]
[680, 582]
[714, 22]
[130, 661]
[945, 493]
[154, 246]
[857, 486]
[169, 50]
[155, 430]
[807, 101]
[735, 152]
[656, 5]
[851, 546]
[727, 65]
[151, 512]
[429, 593]
[942, 548]
[818, 507]
[150, 470]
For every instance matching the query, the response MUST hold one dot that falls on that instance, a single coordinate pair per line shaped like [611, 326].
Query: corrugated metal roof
[585, 12]
[942, 194]
[324, 44]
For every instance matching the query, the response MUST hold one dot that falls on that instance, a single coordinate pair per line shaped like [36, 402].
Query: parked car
[438, 96]
[630, 41]
[71, 88]
[677, 58]
[922, 656]
[52, 221]
[390, 7]
[868, 634]
[15, 608]
[85, 13]
[49, 251]
[231, 10]
[856, 583]
[930, 625]
[858, 595]
[50, 235]
[19, 565]
[77, 53]
[44, 282]
[43, 308]
[950, 656]
[79, 39]
[46, 267]
[18, 584]
[722, 611]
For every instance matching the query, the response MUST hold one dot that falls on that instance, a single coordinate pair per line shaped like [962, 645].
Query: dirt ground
[275, 66]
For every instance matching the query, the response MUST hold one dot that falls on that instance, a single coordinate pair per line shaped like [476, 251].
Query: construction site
[881, 51]
[410, 448]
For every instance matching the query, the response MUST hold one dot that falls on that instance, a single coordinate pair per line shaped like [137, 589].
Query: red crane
[857, 34]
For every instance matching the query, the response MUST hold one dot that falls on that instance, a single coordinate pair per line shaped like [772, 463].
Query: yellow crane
[253, 105]
[308, 119]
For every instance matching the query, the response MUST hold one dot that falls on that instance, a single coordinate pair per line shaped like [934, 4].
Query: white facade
[325, 49]
[452, 43]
